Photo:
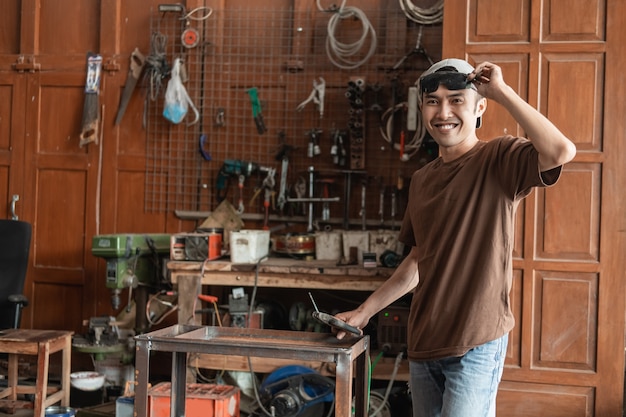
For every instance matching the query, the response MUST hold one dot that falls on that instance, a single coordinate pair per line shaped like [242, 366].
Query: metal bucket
[58, 411]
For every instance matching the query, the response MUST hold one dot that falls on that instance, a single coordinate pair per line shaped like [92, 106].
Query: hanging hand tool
[363, 202]
[137, 62]
[268, 185]
[381, 202]
[300, 189]
[91, 106]
[256, 110]
[240, 181]
[314, 143]
[316, 96]
[326, 183]
[240, 169]
[418, 50]
[282, 198]
[283, 157]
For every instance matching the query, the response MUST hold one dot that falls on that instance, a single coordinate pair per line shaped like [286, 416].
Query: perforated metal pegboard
[278, 56]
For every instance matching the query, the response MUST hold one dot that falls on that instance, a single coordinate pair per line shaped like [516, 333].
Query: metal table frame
[181, 340]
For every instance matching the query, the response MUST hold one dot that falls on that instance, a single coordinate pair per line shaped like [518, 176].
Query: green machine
[133, 261]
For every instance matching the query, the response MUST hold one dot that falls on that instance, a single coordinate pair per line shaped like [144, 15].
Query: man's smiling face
[450, 115]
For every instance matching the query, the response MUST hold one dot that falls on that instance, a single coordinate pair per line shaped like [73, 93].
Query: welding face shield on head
[452, 74]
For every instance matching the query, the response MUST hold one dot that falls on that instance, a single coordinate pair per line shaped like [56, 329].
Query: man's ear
[481, 106]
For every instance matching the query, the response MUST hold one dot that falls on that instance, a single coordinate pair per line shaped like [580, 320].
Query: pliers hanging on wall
[316, 96]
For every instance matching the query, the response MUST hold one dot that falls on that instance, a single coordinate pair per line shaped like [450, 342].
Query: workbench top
[281, 272]
[283, 265]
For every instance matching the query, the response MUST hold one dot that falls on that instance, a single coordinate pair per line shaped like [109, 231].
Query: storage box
[383, 240]
[249, 246]
[355, 239]
[202, 400]
[328, 246]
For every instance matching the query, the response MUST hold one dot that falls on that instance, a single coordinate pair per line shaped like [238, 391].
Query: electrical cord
[341, 53]
[422, 15]
[386, 131]
[156, 61]
[389, 384]
[190, 16]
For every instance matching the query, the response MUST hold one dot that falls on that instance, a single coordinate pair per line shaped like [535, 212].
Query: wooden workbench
[274, 272]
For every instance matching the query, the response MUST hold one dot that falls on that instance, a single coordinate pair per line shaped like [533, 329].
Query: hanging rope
[423, 15]
[342, 54]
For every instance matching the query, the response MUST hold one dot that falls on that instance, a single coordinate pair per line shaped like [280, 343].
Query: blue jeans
[464, 386]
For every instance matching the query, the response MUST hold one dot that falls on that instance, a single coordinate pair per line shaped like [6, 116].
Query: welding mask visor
[451, 80]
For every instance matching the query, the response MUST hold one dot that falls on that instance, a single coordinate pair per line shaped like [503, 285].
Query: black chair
[15, 239]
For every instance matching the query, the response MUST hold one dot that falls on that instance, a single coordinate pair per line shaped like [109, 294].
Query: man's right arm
[403, 280]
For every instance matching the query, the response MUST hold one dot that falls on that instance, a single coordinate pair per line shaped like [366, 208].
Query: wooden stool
[349, 354]
[41, 343]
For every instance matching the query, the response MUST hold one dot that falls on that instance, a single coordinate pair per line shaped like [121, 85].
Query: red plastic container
[202, 400]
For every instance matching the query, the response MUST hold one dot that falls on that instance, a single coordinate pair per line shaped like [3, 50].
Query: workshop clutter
[270, 97]
[202, 400]
[249, 246]
[197, 246]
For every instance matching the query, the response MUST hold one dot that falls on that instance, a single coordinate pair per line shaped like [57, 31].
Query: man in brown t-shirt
[459, 224]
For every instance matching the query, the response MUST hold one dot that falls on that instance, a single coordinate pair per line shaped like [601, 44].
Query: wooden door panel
[504, 21]
[533, 400]
[570, 80]
[61, 175]
[565, 321]
[6, 154]
[61, 217]
[568, 215]
[514, 348]
[69, 27]
[574, 20]
[497, 121]
[58, 306]
[11, 144]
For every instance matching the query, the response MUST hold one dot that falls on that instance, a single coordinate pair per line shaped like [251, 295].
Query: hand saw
[91, 106]
[137, 61]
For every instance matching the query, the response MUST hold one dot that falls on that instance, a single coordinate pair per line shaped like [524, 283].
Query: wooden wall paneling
[578, 77]
[499, 21]
[585, 20]
[60, 175]
[11, 144]
[514, 348]
[557, 212]
[572, 316]
[565, 321]
[612, 302]
[497, 121]
[532, 400]
[9, 30]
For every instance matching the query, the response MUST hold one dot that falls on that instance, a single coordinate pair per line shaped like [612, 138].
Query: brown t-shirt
[460, 217]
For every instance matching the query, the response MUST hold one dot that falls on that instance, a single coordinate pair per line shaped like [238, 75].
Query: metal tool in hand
[333, 321]
[137, 62]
